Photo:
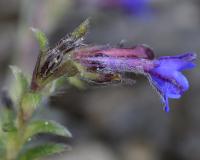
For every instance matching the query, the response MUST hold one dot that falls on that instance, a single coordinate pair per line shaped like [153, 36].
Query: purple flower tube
[164, 73]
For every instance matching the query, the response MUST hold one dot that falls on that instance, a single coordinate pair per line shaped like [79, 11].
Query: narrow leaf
[41, 126]
[81, 30]
[42, 39]
[41, 151]
[21, 84]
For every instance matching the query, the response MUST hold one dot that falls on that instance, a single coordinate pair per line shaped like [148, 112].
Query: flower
[163, 73]
[103, 64]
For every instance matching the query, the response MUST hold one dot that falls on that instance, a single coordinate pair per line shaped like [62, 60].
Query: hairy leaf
[81, 30]
[41, 151]
[42, 39]
[21, 84]
[41, 126]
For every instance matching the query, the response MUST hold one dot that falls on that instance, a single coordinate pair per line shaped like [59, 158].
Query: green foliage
[2, 148]
[7, 117]
[81, 30]
[8, 127]
[30, 101]
[41, 38]
[40, 151]
[21, 84]
[42, 126]
[16, 128]
[16, 124]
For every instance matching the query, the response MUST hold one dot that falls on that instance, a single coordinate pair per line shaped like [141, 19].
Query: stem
[16, 140]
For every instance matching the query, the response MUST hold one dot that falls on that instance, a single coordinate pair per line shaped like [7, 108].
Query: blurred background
[115, 122]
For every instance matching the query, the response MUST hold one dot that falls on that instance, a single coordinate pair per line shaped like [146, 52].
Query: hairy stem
[16, 140]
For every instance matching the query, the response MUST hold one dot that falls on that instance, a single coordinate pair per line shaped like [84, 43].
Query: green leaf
[42, 39]
[21, 85]
[41, 151]
[7, 118]
[81, 30]
[29, 103]
[2, 148]
[8, 127]
[41, 126]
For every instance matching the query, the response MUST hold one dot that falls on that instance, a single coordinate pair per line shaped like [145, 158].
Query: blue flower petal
[179, 62]
[167, 78]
